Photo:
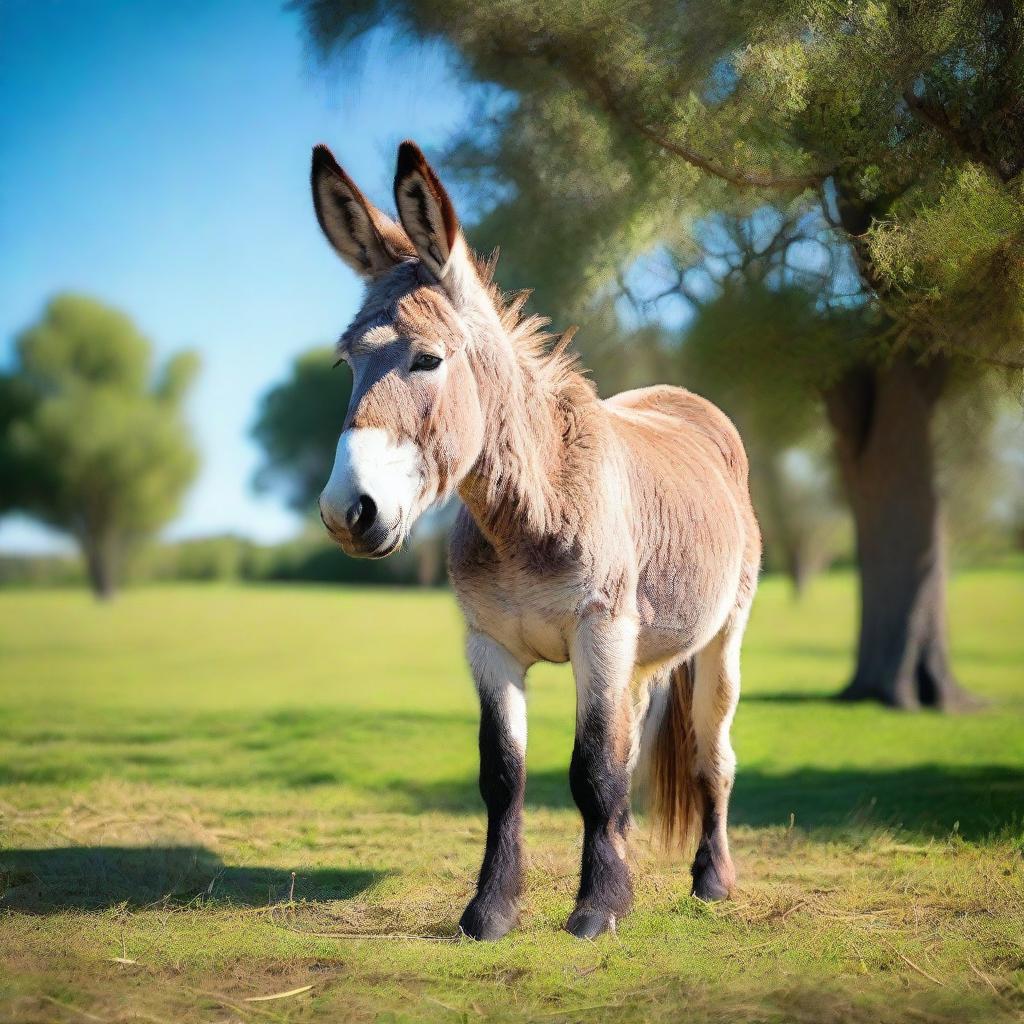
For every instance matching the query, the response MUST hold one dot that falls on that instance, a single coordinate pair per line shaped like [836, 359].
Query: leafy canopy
[902, 120]
[91, 441]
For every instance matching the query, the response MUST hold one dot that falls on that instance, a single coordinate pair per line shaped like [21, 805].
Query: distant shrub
[313, 560]
[206, 558]
[41, 570]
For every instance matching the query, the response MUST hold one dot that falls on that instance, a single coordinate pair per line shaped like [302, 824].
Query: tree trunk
[882, 419]
[101, 565]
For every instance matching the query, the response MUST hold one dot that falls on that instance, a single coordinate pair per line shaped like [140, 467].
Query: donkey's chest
[530, 635]
[533, 619]
[531, 615]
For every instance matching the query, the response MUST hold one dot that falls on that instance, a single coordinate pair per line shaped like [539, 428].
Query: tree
[91, 442]
[900, 123]
[298, 424]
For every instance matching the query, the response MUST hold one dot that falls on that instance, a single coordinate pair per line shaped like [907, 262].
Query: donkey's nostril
[361, 514]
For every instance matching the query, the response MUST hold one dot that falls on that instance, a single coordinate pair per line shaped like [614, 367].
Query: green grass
[166, 763]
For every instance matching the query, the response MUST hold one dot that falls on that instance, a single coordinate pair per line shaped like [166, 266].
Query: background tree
[90, 441]
[297, 426]
[899, 124]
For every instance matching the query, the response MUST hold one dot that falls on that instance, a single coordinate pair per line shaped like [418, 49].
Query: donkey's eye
[425, 361]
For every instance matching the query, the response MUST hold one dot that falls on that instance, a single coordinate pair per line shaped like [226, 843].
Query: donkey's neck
[526, 484]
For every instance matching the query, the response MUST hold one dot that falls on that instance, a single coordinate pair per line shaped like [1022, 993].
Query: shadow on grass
[928, 800]
[99, 877]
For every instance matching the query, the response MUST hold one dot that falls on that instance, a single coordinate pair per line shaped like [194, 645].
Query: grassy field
[166, 764]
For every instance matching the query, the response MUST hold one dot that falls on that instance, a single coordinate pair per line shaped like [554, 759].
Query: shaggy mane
[546, 353]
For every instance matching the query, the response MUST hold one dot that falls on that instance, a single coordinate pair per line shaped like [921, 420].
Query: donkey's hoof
[486, 922]
[586, 923]
[710, 886]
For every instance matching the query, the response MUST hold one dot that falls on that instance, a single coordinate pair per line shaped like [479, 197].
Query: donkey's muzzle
[374, 487]
[364, 533]
[360, 516]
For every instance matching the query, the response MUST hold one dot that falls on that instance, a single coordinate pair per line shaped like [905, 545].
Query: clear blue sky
[156, 155]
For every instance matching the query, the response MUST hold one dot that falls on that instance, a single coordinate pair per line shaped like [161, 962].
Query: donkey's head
[414, 426]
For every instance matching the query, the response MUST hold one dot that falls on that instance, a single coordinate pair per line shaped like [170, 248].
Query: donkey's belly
[661, 646]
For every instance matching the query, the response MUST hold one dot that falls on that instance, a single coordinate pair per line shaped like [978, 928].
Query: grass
[166, 764]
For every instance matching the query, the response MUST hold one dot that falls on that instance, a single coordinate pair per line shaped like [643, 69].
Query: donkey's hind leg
[715, 693]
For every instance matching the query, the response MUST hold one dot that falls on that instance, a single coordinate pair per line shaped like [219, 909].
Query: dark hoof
[710, 886]
[585, 923]
[487, 923]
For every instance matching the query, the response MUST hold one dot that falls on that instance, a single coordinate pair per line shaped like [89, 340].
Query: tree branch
[1003, 364]
[935, 116]
[741, 179]
[603, 93]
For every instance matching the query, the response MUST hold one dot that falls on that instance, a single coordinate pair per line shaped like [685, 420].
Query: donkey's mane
[546, 353]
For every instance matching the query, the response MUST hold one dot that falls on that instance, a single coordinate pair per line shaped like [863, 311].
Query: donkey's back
[694, 531]
[680, 416]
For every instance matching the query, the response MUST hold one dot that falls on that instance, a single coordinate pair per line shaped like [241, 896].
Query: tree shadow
[927, 800]
[95, 878]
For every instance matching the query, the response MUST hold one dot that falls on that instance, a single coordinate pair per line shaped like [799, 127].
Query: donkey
[617, 535]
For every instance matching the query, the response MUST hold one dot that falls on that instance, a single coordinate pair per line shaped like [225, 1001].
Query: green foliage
[574, 206]
[908, 114]
[308, 558]
[160, 787]
[18, 477]
[956, 266]
[80, 342]
[98, 449]
[298, 425]
[177, 376]
[760, 351]
[114, 461]
[40, 570]
[220, 558]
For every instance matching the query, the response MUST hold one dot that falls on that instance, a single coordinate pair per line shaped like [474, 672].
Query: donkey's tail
[676, 798]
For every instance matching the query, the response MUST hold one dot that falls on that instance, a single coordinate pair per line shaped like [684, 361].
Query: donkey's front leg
[500, 685]
[603, 659]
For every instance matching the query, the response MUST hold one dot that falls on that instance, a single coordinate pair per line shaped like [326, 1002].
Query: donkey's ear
[366, 239]
[429, 219]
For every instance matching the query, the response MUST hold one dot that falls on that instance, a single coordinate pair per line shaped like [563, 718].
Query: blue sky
[156, 155]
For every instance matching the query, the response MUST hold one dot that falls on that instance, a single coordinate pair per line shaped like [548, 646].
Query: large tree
[92, 442]
[899, 123]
